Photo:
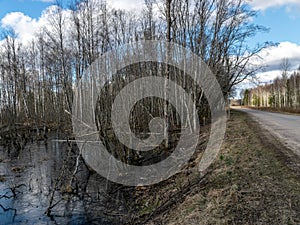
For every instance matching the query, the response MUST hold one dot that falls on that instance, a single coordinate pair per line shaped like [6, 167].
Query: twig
[58, 180]
[76, 167]
[8, 209]
[13, 190]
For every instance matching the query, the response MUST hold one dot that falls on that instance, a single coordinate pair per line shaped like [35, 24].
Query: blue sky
[32, 8]
[284, 25]
[281, 16]
[283, 20]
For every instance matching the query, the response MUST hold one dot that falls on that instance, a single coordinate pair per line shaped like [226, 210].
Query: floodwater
[28, 178]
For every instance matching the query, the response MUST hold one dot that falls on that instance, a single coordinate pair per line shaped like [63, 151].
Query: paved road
[283, 126]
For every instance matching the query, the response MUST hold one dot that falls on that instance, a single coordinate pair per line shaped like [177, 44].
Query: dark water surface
[31, 173]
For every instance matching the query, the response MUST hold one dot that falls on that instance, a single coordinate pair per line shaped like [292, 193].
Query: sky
[282, 17]
[32, 8]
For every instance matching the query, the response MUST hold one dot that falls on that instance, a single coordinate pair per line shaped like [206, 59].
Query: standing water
[28, 179]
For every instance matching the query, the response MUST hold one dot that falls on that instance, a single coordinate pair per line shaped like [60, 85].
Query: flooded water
[28, 178]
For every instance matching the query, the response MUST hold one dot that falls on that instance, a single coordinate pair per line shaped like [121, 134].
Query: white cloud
[268, 76]
[22, 25]
[27, 28]
[264, 4]
[126, 4]
[271, 58]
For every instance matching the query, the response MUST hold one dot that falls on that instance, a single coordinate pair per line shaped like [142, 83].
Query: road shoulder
[254, 181]
[282, 149]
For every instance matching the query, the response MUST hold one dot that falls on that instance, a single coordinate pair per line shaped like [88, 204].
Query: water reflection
[28, 178]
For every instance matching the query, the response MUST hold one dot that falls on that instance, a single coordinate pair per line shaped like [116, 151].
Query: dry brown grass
[251, 183]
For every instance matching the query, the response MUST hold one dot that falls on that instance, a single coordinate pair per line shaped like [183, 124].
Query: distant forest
[282, 93]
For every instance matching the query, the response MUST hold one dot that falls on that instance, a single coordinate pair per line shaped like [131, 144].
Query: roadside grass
[250, 184]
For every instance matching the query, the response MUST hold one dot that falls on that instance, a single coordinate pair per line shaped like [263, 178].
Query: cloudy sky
[282, 17]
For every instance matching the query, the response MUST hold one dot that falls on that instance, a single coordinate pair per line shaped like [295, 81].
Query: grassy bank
[252, 182]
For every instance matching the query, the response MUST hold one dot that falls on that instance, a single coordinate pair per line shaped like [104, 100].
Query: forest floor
[255, 180]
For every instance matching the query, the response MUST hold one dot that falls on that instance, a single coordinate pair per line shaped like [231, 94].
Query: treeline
[37, 79]
[281, 93]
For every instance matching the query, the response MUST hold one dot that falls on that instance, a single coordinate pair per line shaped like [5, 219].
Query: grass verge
[252, 182]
